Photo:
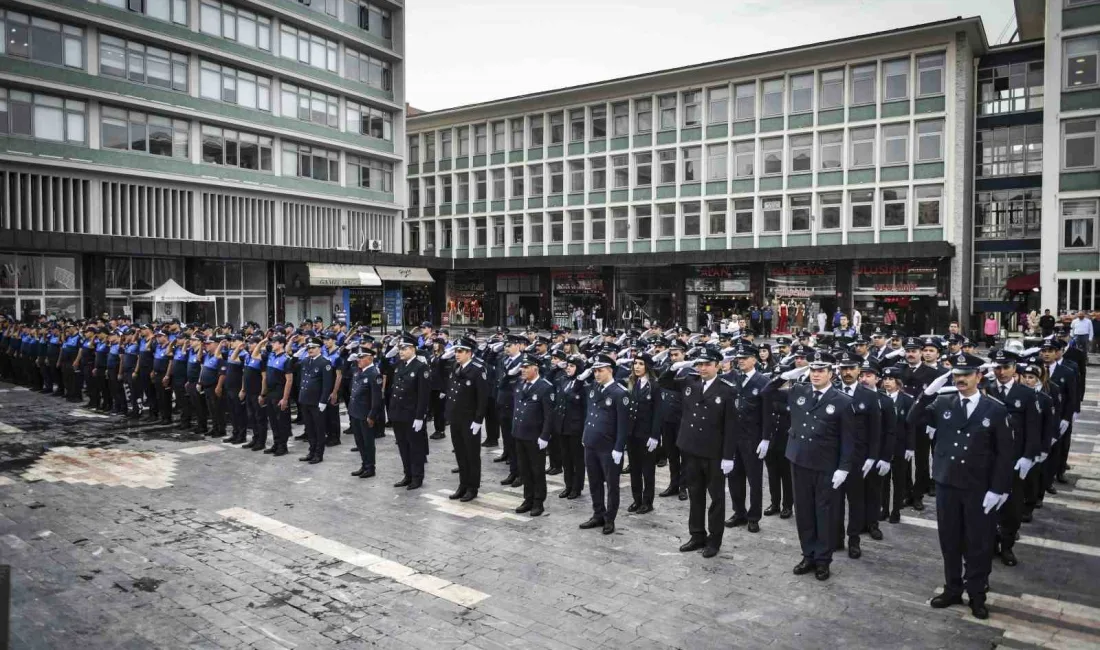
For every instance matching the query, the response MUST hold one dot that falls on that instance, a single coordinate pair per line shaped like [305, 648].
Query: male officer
[194, 369]
[919, 372]
[820, 450]
[333, 355]
[233, 388]
[868, 441]
[212, 387]
[1063, 384]
[313, 396]
[143, 376]
[751, 441]
[161, 380]
[869, 374]
[364, 407]
[408, 410]
[278, 381]
[671, 409]
[467, 405]
[507, 378]
[904, 444]
[777, 414]
[253, 392]
[708, 441]
[973, 474]
[532, 427]
[606, 431]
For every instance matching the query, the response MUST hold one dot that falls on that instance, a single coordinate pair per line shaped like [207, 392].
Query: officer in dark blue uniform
[671, 409]
[571, 404]
[507, 378]
[867, 417]
[904, 443]
[364, 407]
[751, 441]
[313, 395]
[645, 433]
[143, 386]
[467, 406]
[194, 369]
[126, 373]
[162, 383]
[254, 359]
[97, 393]
[177, 369]
[606, 431]
[211, 387]
[335, 357]
[408, 411]
[973, 473]
[116, 399]
[1033, 375]
[68, 387]
[49, 366]
[275, 391]
[233, 389]
[1065, 380]
[532, 428]
[86, 358]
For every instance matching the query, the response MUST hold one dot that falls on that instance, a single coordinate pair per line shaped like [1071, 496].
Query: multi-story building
[835, 175]
[247, 149]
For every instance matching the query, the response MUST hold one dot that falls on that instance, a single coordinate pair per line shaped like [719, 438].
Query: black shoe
[693, 544]
[736, 521]
[1050, 490]
[403, 482]
[978, 608]
[518, 482]
[332, 442]
[822, 572]
[553, 471]
[501, 459]
[945, 600]
[270, 450]
[875, 533]
[457, 494]
[564, 493]
[379, 435]
[354, 449]
[633, 507]
[771, 510]
[415, 484]
[854, 551]
[469, 496]
[785, 513]
[367, 474]
[754, 526]
[281, 451]
[669, 491]
[537, 510]
[608, 527]
[662, 462]
[524, 507]
[306, 459]
[508, 480]
[301, 437]
[592, 523]
[437, 436]
[1026, 517]
[1008, 557]
[573, 495]
[895, 517]
[683, 494]
[805, 566]
[932, 490]
[317, 459]
[359, 471]
[918, 504]
[1061, 478]
[709, 551]
[489, 443]
[644, 509]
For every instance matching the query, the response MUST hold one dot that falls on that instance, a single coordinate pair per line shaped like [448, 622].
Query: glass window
[718, 105]
[831, 149]
[862, 204]
[464, 187]
[717, 161]
[374, 72]
[692, 108]
[863, 84]
[516, 174]
[666, 220]
[498, 136]
[368, 17]
[1079, 144]
[771, 209]
[535, 188]
[141, 64]
[414, 149]
[773, 98]
[235, 24]
[643, 169]
[894, 201]
[643, 115]
[643, 223]
[832, 89]
[42, 117]
[1081, 61]
[1010, 88]
[690, 211]
[429, 145]
[802, 93]
[535, 124]
[377, 175]
[41, 40]
[481, 138]
[576, 176]
[800, 205]
[598, 218]
[895, 144]
[692, 172]
[716, 218]
[317, 107]
[895, 80]
[538, 227]
[744, 102]
[498, 231]
[666, 162]
[1079, 225]
[576, 226]
[802, 153]
[557, 127]
[929, 198]
[598, 166]
[517, 133]
[666, 107]
[743, 216]
[599, 121]
[620, 223]
[830, 206]
[463, 141]
[576, 125]
[480, 185]
[445, 150]
[930, 140]
[1010, 151]
[557, 228]
[429, 191]
[361, 119]
[232, 86]
[773, 156]
[992, 270]
[620, 119]
[517, 229]
[620, 166]
[448, 189]
[557, 177]
[308, 161]
[744, 159]
[930, 74]
[145, 132]
[863, 147]
[1008, 214]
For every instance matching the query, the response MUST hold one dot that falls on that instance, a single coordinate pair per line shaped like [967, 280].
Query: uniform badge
[484, 376]
[425, 374]
[551, 397]
[687, 391]
[985, 422]
[626, 401]
[717, 400]
[1017, 403]
[830, 409]
[801, 401]
[755, 391]
[947, 415]
[862, 406]
[467, 382]
[378, 381]
[328, 367]
[607, 402]
[591, 394]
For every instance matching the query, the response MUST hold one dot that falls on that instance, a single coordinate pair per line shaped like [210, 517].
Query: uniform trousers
[922, 479]
[780, 488]
[95, 390]
[872, 499]
[1060, 460]
[164, 396]
[747, 466]
[68, 385]
[139, 390]
[413, 446]
[118, 394]
[127, 379]
[531, 462]
[603, 483]
[198, 404]
[133, 380]
[467, 448]
[216, 407]
[852, 491]
[364, 441]
[238, 412]
[184, 402]
[572, 462]
[315, 428]
[504, 417]
[669, 430]
[279, 419]
[966, 540]
[703, 478]
[436, 405]
[257, 417]
[893, 488]
[1009, 521]
[492, 426]
[150, 391]
[332, 421]
[814, 503]
[553, 452]
[643, 470]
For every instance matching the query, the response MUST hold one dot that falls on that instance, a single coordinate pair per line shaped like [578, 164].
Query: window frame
[718, 109]
[1066, 137]
[801, 142]
[887, 139]
[824, 205]
[941, 67]
[718, 162]
[919, 159]
[177, 127]
[853, 204]
[1063, 217]
[822, 144]
[809, 79]
[1094, 53]
[885, 204]
[765, 150]
[887, 75]
[919, 200]
[825, 84]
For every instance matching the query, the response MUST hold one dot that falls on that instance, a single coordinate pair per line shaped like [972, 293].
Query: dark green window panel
[835, 116]
[498, 206]
[928, 170]
[800, 121]
[643, 194]
[666, 245]
[446, 252]
[462, 208]
[860, 113]
[596, 248]
[717, 131]
[618, 247]
[429, 211]
[462, 252]
[666, 137]
[643, 246]
[798, 240]
[1078, 181]
[445, 165]
[1085, 16]
[534, 202]
[497, 251]
[928, 234]
[1078, 262]
[597, 197]
[799, 181]
[771, 124]
[577, 198]
[554, 151]
[479, 160]
[771, 241]
[893, 236]
[515, 156]
[895, 109]
[496, 158]
[619, 196]
[643, 140]
[1079, 100]
[900, 173]
[829, 239]
[744, 128]
[462, 163]
[534, 250]
[691, 135]
[618, 144]
[741, 242]
[515, 251]
[414, 169]
[479, 252]
[691, 189]
[866, 237]
[716, 243]
[861, 176]
[555, 201]
[666, 192]
[534, 154]
[742, 186]
[576, 249]
[830, 178]
[716, 187]
[515, 204]
[597, 146]
[444, 209]
[692, 244]
[555, 249]
[771, 183]
[576, 148]
[930, 104]
[414, 212]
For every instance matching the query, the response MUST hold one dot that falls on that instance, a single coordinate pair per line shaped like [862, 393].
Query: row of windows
[1010, 151]
[1008, 214]
[42, 117]
[896, 207]
[41, 40]
[1010, 88]
[146, 132]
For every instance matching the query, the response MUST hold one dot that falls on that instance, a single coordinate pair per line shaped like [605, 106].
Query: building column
[94, 268]
[1052, 152]
[959, 161]
[844, 269]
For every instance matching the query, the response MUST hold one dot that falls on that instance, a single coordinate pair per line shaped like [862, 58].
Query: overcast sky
[468, 51]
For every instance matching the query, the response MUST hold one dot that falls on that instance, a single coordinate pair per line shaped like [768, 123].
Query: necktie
[817, 398]
[965, 406]
[1004, 392]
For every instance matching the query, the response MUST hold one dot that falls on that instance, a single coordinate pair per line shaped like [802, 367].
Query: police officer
[116, 398]
[278, 381]
[532, 428]
[68, 387]
[162, 386]
[364, 406]
[251, 392]
[332, 411]
[194, 369]
[100, 398]
[670, 379]
[1033, 375]
[143, 386]
[313, 395]
[211, 387]
[882, 453]
[408, 410]
[128, 372]
[507, 378]
[707, 440]
[571, 404]
[917, 376]
[1062, 384]
[867, 417]
[777, 421]
[973, 474]
[233, 389]
[177, 370]
[751, 441]
[467, 404]
[644, 433]
[894, 486]
[606, 430]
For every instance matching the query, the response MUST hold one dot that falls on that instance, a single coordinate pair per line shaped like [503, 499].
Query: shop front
[326, 291]
[406, 295]
[465, 300]
[575, 294]
[126, 278]
[35, 285]
[902, 294]
[520, 299]
[714, 292]
[798, 293]
[649, 294]
[240, 290]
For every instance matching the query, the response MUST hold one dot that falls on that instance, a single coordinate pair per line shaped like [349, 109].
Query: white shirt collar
[1007, 386]
[748, 376]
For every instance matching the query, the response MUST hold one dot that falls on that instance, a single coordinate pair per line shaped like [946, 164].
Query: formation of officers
[851, 430]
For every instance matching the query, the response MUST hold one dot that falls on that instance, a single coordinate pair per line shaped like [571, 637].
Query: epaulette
[727, 382]
[994, 399]
[477, 362]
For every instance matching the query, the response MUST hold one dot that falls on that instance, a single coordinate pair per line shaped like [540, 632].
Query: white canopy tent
[171, 291]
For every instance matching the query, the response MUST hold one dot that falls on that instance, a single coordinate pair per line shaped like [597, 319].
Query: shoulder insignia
[378, 380]
[727, 382]
[425, 374]
[830, 409]
[985, 422]
[626, 401]
[484, 376]
[328, 366]
[551, 397]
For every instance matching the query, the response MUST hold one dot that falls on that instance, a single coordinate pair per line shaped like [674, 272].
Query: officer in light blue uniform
[316, 387]
[333, 353]
[606, 432]
[254, 359]
[177, 367]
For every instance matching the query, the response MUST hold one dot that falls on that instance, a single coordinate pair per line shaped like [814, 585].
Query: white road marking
[201, 449]
[1040, 542]
[1086, 484]
[445, 589]
[4, 480]
[85, 414]
[473, 509]
[1073, 505]
[7, 428]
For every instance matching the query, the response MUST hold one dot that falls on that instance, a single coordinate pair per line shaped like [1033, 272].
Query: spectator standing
[766, 316]
[990, 329]
[836, 318]
[857, 321]
[1081, 331]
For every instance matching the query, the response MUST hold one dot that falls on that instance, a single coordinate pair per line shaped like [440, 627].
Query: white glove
[543, 444]
[931, 431]
[762, 448]
[895, 354]
[443, 396]
[660, 358]
[322, 406]
[392, 352]
[838, 478]
[1024, 466]
[727, 466]
[681, 364]
[937, 384]
[202, 391]
[585, 375]
[990, 501]
[651, 444]
[868, 465]
[475, 428]
[1001, 500]
[514, 371]
[617, 456]
[497, 347]
[1042, 457]
[883, 467]
[910, 454]
[991, 376]
[795, 373]
[448, 353]
[418, 425]
[1075, 417]
[1062, 427]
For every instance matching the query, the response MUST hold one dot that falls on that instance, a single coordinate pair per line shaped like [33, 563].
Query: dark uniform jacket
[1064, 381]
[1049, 420]
[411, 390]
[974, 453]
[823, 436]
[644, 415]
[533, 410]
[316, 383]
[1024, 416]
[867, 415]
[506, 383]
[607, 417]
[903, 435]
[749, 425]
[708, 426]
[365, 400]
[570, 405]
[671, 397]
[467, 395]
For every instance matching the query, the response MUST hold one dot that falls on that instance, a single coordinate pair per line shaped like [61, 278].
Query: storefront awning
[403, 274]
[1022, 283]
[342, 275]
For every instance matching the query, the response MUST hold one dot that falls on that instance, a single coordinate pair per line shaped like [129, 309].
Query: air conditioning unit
[374, 245]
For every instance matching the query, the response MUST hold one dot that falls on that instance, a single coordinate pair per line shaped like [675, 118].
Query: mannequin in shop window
[890, 319]
[800, 316]
[783, 316]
